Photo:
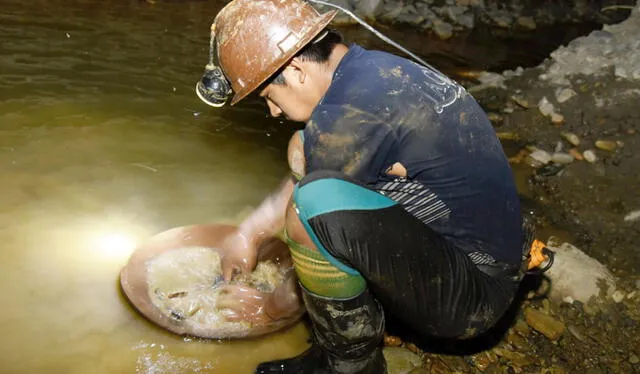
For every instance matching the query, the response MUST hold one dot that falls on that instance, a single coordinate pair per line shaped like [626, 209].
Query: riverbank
[445, 18]
[573, 125]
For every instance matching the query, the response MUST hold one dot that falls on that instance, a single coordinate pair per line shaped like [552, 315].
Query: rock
[545, 107]
[495, 118]
[554, 370]
[472, 3]
[521, 327]
[453, 12]
[400, 360]
[557, 119]
[443, 29]
[503, 20]
[576, 332]
[606, 145]
[577, 275]
[526, 22]
[517, 341]
[541, 156]
[544, 324]
[488, 80]
[483, 359]
[517, 358]
[576, 154]
[413, 348]
[618, 296]
[392, 341]
[562, 158]
[590, 156]
[564, 94]
[633, 216]
[418, 370]
[520, 101]
[572, 138]
[466, 20]
[368, 8]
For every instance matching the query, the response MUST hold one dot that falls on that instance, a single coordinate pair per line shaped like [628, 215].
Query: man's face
[294, 100]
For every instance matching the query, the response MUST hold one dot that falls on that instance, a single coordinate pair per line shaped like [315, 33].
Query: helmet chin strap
[213, 88]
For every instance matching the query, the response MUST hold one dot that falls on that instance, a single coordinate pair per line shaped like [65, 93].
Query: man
[402, 201]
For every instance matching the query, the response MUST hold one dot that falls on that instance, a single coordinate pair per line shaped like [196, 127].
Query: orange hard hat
[255, 38]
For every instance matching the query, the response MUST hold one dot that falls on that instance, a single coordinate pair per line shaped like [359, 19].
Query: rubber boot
[346, 338]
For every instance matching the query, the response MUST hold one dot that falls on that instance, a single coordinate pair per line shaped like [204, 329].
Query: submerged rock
[564, 94]
[572, 138]
[590, 156]
[545, 107]
[606, 145]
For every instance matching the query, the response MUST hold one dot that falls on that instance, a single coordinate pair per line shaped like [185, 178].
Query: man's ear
[297, 71]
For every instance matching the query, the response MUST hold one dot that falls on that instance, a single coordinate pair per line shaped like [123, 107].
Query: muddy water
[103, 143]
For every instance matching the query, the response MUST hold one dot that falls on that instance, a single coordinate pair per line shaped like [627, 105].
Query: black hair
[318, 52]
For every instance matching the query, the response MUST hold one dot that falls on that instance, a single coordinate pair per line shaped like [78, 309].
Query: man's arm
[264, 222]
[268, 218]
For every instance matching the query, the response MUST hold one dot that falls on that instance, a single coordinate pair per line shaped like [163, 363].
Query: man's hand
[242, 303]
[240, 254]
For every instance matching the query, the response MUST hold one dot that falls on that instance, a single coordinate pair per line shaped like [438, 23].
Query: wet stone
[517, 341]
[553, 370]
[495, 118]
[557, 118]
[483, 360]
[541, 156]
[521, 101]
[576, 332]
[443, 29]
[438, 366]
[517, 358]
[521, 327]
[526, 22]
[466, 20]
[400, 360]
[606, 145]
[419, 370]
[392, 341]
[618, 296]
[632, 216]
[562, 158]
[545, 107]
[590, 156]
[413, 348]
[572, 138]
[576, 154]
[564, 94]
[544, 324]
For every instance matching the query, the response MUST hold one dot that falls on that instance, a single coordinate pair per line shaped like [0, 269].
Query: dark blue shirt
[381, 109]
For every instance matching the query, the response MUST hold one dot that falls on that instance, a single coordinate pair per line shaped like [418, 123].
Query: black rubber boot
[347, 338]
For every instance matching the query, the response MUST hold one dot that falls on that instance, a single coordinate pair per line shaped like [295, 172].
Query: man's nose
[274, 109]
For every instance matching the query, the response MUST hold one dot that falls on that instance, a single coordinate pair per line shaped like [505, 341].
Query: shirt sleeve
[350, 140]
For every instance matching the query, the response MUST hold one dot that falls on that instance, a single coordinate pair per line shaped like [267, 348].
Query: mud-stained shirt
[381, 109]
